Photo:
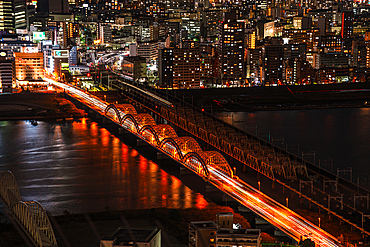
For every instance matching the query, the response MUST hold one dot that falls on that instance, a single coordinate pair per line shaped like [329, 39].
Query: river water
[342, 135]
[80, 167]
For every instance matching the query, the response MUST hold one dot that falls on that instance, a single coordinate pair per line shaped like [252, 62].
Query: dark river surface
[81, 167]
[342, 135]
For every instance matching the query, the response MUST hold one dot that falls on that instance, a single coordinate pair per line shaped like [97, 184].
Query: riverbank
[38, 106]
[278, 97]
[174, 224]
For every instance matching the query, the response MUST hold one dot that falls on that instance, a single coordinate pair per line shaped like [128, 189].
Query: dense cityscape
[188, 44]
[122, 109]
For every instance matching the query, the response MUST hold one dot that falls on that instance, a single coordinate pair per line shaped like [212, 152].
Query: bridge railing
[30, 216]
[299, 166]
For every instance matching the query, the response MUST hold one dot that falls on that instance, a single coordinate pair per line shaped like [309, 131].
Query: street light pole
[259, 185]
[319, 222]
[287, 200]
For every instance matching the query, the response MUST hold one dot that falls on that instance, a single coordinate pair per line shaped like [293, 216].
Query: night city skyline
[195, 123]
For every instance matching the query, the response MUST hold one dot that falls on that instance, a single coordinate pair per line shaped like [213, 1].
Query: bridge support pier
[185, 171]
[141, 143]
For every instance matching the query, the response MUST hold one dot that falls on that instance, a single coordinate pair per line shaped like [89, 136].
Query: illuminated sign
[64, 66]
[21, 31]
[97, 42]
[29, 49]
[61, 53]
[39, 36]
[2, 53]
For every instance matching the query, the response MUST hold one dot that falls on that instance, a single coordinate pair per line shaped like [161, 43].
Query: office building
[221, 233]
[13, 15]
[149, 51]
[231, 50]
[104, 33]
[273, 55]
[347, 24]
[165, 68]
[29, 64]
[125, 237]
[186, 68]
[7, 73]
[134, 67]
[20, 14]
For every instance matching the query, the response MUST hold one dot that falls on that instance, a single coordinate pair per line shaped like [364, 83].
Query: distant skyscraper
[273, 63]
[20, 10]
[347, 24]
[165, 68]
[6, 10]
[231, 49]
[13, 15]
[53, 6]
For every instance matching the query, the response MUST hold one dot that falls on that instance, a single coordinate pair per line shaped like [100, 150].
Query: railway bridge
[157, 127]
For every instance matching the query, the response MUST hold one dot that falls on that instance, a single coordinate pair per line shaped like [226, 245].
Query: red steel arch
[169, 145]
[164, 131]
[135, 122]
[196, 163]
[149, 134]
[185, 143]
[143, 119]
[129, 122]
[216, 160]
[116, 112]
[126, 108]
[157, 132]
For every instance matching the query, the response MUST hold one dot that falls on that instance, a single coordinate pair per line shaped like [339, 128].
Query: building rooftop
[204, 224]
[123, 236]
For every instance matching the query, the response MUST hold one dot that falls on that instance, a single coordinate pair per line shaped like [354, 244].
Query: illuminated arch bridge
[185, 150]
[30, 216]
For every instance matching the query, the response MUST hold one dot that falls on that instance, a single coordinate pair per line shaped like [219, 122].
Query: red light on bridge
[202, 109]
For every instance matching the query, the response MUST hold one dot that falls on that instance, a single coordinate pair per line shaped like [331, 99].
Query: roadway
[278, 215]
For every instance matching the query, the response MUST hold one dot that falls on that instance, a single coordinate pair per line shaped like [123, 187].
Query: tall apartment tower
[13, 15]
[105, 33]
[273, 55]
[347, 24]
[231, 49]
[7, 74]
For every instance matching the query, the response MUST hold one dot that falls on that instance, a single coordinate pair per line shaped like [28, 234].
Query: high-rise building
[104, 33]
[231, 49]
[149, 51]
[165, 68]
[29, 65]
[20, 14]
[331, 43]
[186, 68]
[6, 10]
[13, 15]
[347, 24]
[72, 60]
[273, 55]
[7, 73]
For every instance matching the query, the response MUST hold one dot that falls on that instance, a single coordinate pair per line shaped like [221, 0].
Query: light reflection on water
[81, 167]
